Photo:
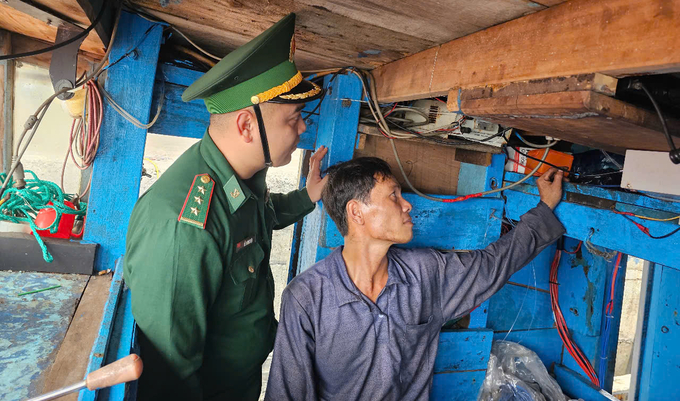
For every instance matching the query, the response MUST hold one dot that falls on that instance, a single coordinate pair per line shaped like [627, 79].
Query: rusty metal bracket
[65, 60]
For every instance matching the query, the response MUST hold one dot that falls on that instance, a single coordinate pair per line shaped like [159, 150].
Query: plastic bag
[516, 373]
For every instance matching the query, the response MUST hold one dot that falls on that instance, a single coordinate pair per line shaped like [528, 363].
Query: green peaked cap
[261, 70]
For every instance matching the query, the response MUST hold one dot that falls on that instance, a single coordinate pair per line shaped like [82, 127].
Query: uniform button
[251, 269]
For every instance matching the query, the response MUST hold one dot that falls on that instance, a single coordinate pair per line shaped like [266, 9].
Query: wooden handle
[122, 371]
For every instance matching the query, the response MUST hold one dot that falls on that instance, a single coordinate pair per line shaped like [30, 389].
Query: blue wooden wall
[116, 173]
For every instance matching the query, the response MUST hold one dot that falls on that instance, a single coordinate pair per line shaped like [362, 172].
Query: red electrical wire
[575, 251]
[84, 137]
[561, 324]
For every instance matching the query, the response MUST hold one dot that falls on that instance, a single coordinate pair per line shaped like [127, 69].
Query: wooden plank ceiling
[336, 33]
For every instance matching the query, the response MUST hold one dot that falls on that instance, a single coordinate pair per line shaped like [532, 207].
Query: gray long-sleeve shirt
[334, 343]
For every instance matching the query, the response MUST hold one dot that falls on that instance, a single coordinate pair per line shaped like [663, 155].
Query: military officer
[199, 241]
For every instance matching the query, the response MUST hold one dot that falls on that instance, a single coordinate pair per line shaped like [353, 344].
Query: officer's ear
[354, 212]
[246, 124]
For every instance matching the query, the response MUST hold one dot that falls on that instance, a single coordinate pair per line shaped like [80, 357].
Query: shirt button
[251, 269]
[381, 315]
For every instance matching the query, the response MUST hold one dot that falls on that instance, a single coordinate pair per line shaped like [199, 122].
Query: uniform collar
[345, 289]
[236, 189]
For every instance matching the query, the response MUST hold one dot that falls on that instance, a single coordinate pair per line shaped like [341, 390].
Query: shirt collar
[345, 289]
[236, 189]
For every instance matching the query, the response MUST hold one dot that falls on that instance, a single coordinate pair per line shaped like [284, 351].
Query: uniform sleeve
[174, 272]
[291, 207]
[467, 279]
[291, 376]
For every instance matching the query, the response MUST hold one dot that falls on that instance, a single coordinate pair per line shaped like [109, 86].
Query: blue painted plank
[178, 118]
[660, 366]
[463, 350]
[619, 196]
[120, 346]
[519, 308]
[457, 386]
[468, 223]
[537, 273]
[309, 240]
[101, 343]
[582, 279]
[479, 316]
[546, 343]
[470, 179]
[121, 150]
[337, 130]
[308, 138]
[339, 118]
[573, 385]
[32, 327]
[612, 230]
[178, 75]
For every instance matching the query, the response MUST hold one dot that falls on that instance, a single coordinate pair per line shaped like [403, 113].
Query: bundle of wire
[84, 138]
[609, 308]
[370, 92]
[561, 324]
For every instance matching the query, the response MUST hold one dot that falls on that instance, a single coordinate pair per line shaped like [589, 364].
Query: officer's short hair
[349, 180]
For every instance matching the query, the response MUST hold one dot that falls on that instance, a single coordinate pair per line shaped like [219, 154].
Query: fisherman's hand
[315, 183]
[550, 187]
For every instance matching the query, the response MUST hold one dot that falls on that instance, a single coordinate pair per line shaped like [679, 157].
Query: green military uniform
[198, 247]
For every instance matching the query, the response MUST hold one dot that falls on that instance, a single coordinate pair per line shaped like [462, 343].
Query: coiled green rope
[22, 205]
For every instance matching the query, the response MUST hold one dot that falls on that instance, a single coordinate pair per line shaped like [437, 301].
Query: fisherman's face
[284, 125]
[387, 215]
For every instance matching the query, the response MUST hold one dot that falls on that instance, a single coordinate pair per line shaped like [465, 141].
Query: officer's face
[284, 126]
[387, 215]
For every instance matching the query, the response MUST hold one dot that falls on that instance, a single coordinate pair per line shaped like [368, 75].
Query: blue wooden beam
[612, 231]
[101, 343]
[117, 169]
[622, 197]
[659, 368]
[337, 130]
[575, 386]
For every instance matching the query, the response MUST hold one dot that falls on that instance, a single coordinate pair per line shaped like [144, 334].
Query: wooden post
[117, 170]
[6, 102]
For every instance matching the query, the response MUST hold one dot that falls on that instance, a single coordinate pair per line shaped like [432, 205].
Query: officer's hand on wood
[550, 187]
[315, 183]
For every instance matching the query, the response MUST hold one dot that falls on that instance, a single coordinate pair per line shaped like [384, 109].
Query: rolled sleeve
[469, 278]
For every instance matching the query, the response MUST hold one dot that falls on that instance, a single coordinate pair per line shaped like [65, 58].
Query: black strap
[263, 136]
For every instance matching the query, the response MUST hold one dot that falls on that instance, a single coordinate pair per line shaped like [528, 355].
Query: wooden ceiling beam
[614, 37]
[70, 10]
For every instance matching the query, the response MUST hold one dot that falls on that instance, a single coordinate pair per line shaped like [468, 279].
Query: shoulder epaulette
[197, 203]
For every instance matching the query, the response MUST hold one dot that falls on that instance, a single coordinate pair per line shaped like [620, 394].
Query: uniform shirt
[203, 298]
[333, 343]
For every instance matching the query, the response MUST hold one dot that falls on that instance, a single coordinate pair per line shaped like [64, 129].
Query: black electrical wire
[674, 153]
[60, 44]
[566, 170]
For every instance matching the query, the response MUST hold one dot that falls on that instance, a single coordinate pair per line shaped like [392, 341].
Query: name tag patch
[246, 242]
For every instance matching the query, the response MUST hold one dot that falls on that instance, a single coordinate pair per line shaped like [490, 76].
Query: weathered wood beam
[583, 117]
[16, 21]
[614, 37]
[6, 101]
